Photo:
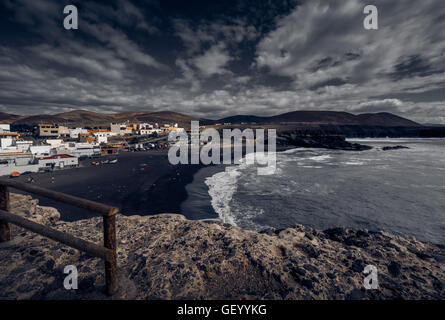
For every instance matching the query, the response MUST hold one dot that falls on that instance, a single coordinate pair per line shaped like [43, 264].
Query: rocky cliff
[314, 139]
[169, 257]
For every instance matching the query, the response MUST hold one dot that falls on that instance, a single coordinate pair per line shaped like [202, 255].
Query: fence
[107, 252]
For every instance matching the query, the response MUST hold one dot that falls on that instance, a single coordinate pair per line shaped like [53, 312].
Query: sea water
[399, 191]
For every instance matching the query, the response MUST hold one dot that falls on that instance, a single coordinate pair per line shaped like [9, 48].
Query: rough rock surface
[169, 257]
[27, 207]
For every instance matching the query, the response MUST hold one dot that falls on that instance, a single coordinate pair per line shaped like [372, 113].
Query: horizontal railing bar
[71, 241]
[62, 197]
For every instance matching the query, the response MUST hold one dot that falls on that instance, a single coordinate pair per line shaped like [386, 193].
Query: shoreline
[142, 183]
[210, 259]
[433, 238]
[140, 190]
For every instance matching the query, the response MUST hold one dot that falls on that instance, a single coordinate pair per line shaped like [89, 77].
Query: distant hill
[242, 118]
[385, 119]
[83, 116]
[433, 124]
[88, 118]
[9, 118]
[326, 117]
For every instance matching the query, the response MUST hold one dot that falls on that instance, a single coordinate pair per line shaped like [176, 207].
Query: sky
[216, 58]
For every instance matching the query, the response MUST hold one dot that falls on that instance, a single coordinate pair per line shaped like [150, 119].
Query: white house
[120, 128]
[8, 139]
[23, 145]
[176, 129]
[5, 127]
[149, 131]
[101, 138]
[74, 133]
[142, 126]
[80, 149]
[58, 161]
[55, 143]
[44, 150]
[19, 164]
[6, 142]
[144, 132]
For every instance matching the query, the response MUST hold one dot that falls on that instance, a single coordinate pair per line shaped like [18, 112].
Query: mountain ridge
[84, 117]
[303, 117]
[328, 117]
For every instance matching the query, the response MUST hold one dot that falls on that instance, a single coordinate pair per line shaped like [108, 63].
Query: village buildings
[57, 146]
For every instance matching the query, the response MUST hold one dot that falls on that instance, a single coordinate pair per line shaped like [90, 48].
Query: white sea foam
[354, 163]
[320, 158]
[222, 186]
[380, 140]
[294, 150]
[311, 167]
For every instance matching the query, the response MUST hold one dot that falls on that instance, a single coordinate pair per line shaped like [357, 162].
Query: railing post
[5, 227]
[111, 276]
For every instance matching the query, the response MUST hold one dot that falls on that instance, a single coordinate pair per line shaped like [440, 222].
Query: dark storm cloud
[325, 41]
[329, 62]
[329, 83]
[219, 58]
[413, 66]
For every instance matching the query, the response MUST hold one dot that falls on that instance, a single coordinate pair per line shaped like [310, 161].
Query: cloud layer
[249, 58]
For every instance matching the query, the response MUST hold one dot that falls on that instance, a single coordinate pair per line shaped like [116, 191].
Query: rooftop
[9, 133]
[57, 156]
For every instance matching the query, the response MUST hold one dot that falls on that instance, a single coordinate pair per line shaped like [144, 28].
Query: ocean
[398, 191]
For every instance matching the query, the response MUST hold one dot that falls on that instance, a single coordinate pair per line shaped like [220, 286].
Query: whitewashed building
[58, 161]
[23, 145]
[5, 127]
[55, 143]
[121, 128]
[79, 149]
[74, 133]
[44, 150]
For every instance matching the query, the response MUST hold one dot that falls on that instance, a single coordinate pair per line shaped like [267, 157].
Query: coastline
[145, 183]
[167, 256]
[213, 260]
[142, 183]
[379, 219]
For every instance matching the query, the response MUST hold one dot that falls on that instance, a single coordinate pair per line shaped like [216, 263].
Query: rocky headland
[387, 148]
[169, 257]
[293, 139]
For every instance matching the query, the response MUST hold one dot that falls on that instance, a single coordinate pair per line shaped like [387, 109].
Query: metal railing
[107, 252]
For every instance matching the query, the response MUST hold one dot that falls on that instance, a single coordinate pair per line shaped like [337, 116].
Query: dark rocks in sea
[317, 140]
[387, 148]
[356, 131]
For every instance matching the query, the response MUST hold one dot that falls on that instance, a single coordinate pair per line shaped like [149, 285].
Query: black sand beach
[140, 183]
